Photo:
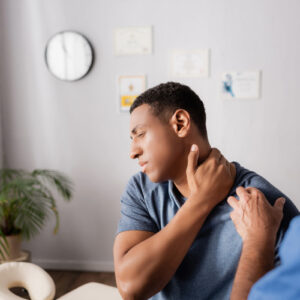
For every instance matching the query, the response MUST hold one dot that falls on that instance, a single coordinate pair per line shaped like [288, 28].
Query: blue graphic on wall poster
[227, 85]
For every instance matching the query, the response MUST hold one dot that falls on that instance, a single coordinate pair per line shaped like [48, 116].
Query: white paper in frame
[133, 40]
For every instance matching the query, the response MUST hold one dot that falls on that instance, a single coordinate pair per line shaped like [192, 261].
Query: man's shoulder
[249, 178]
[245, 176]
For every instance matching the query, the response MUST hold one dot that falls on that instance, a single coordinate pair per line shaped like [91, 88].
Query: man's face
[155, 145]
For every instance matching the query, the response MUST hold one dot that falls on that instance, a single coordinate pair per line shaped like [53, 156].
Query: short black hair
[165, 98]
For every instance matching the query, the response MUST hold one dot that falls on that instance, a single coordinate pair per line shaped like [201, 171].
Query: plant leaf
[4, 247]
[26, 200]
[58, 180]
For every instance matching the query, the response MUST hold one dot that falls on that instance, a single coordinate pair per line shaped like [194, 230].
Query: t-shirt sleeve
[134, 212]
[289, 210]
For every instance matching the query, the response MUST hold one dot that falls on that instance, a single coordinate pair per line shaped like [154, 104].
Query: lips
[143, 165]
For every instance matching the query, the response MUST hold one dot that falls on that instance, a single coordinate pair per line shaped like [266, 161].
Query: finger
[231, 215]
[215, 153]
[222, 160]
[233, 202]
[279, 203]
[258, 195]
[220, 157]
[253, 195]
[242, 193]
[256, 192]
[192, 160]
[253, 192]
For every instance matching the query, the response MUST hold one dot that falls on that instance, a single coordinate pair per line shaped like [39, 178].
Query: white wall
[75, 127]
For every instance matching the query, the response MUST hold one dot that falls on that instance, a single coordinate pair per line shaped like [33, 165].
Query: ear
[181, 122]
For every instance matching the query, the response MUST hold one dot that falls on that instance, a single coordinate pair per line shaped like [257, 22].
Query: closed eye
[138, 135]
[141, 134]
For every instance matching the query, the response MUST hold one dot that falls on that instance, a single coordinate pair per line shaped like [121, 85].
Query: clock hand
[63, 45]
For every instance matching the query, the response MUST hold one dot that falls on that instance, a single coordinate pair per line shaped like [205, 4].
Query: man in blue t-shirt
[176, 239]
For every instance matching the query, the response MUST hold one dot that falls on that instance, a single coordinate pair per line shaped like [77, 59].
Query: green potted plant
[26, 202]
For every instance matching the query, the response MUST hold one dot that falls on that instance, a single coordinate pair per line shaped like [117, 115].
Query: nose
[135, 151]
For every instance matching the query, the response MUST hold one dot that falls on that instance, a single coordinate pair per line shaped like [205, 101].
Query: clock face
[69, 55]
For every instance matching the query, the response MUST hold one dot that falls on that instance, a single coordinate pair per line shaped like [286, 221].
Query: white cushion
[34, 279]
[93, 291]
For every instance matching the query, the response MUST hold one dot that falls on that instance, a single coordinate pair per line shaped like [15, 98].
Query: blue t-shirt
[208, 269]
[284, 281]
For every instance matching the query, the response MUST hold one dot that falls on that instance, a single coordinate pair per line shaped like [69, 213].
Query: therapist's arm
[257, 222]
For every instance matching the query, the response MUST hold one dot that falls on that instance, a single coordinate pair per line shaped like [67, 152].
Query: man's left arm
[257, 222]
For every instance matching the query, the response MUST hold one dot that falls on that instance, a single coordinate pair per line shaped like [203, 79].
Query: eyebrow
[135, 129]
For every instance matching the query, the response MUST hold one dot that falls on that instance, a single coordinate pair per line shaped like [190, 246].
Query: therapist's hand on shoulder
[255, 219]
[257, 222]
[212, 180]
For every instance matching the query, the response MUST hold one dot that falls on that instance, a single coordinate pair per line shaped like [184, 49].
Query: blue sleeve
[283, 281]
[272, 193]
[134, 212]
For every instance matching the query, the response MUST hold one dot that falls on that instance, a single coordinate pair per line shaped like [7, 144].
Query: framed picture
[241, 85]
[189, 63]
[133, 40]
[129, 88]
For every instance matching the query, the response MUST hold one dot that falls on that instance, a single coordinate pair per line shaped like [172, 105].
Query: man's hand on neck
[206, 171]
[181, 181]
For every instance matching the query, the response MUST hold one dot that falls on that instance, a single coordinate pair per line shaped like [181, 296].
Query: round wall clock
[69, 55]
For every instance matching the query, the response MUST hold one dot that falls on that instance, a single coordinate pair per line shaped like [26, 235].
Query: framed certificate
[133, 40]
[187, 64]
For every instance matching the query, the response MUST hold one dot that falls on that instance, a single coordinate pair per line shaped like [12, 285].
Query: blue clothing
[208, 269]
[284, 281]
